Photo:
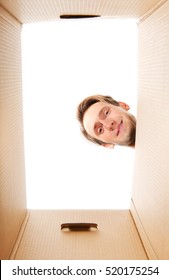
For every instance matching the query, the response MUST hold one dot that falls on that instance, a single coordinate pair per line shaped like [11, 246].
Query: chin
[129, 140]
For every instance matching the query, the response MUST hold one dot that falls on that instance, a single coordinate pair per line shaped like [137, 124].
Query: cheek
[107, 137]
[113, 114]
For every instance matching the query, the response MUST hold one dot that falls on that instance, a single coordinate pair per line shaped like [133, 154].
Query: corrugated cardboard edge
[19, 238]
[151, 11]
[6, 15]
[143, 236]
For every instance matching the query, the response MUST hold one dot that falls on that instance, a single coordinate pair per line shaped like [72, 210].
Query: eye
[100, 130]
[106, 112]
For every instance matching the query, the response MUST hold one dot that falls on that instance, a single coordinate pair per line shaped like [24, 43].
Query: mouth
[119, 127]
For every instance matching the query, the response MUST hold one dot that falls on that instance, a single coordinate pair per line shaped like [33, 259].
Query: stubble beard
[131, 136]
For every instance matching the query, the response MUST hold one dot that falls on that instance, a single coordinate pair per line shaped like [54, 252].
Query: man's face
[110, 124]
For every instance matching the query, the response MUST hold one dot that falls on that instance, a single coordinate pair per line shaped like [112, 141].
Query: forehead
[96, 107]
[92, 114]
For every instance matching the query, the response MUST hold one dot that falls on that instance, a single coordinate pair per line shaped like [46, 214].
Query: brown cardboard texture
[141, 232]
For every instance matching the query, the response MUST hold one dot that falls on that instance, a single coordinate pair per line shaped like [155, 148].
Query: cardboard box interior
[141, 232]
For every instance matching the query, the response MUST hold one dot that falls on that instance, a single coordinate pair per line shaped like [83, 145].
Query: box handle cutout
[78, 16]
[79, 227]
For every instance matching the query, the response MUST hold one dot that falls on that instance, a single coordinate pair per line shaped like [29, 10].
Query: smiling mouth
[119, 127]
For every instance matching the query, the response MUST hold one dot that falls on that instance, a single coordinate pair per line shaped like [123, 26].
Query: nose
[109, 126]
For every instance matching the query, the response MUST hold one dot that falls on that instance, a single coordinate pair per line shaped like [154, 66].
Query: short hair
[84, 105]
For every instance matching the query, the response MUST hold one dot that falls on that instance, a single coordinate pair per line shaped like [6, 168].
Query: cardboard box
[141, 232]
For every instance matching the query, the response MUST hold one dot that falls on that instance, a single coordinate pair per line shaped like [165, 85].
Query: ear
[110, 146]
[124, 106]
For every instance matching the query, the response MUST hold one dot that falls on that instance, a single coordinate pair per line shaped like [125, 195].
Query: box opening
[64, 62]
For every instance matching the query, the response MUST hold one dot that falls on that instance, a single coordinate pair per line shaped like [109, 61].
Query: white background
[63, 63]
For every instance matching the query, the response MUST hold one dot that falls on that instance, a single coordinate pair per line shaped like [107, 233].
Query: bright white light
[64, 62]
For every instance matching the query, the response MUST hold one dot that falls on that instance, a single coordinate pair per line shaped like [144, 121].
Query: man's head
[106, 122]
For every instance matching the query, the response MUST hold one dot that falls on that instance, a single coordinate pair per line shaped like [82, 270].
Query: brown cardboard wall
[40, 236]
[116, 237]
[44, 10]
[151, 175]
[12, 174]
